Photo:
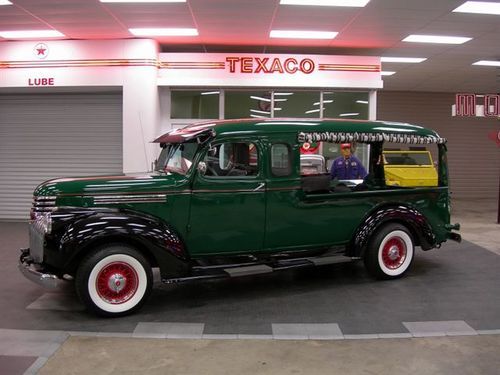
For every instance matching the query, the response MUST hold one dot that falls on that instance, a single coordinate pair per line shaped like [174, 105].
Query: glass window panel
[244, 104]
[232, 160]
[331, 151]
[348, 105]
[280, 159]
[195, 104]
[302, 104]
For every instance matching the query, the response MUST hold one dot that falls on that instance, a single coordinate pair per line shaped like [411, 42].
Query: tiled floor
[450, 291]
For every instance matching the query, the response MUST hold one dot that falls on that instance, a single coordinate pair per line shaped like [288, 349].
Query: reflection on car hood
[130, 183]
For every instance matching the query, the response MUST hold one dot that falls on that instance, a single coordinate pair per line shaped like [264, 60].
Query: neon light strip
[192, 65]
[359, 68]
[77, 63]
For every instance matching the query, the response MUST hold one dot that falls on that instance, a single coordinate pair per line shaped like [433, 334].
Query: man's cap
[345, 145]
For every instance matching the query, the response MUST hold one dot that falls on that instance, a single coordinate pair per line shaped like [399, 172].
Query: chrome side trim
[121, 199]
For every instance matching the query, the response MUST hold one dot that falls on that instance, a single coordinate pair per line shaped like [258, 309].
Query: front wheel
[390, 252]
[114, 281]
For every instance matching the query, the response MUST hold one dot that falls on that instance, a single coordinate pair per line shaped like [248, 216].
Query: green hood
[95, 185]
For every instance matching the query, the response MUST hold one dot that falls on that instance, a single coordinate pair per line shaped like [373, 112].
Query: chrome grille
[42, 205]
[36, 242]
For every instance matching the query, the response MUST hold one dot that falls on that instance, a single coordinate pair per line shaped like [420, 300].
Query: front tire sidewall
[119, 307]
[88, 274]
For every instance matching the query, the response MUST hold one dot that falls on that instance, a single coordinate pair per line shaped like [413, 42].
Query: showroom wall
[473, 146]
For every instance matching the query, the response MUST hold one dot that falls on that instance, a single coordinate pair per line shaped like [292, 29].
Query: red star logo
[41, 50]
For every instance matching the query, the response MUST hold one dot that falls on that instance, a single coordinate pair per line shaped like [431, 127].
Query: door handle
[261, 185]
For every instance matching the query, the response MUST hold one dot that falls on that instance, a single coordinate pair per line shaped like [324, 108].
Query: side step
[248, 270]
[223, 271]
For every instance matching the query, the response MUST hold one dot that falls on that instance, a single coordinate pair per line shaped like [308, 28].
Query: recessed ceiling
[244, 26]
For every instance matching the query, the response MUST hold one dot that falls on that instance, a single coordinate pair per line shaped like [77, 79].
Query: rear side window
[281, 159]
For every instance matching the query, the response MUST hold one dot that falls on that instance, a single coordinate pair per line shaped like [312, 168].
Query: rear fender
[414, 220]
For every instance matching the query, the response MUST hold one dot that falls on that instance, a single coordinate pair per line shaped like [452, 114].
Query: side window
[409, 166]
[281, 160]
[232, 159]
[312, 164]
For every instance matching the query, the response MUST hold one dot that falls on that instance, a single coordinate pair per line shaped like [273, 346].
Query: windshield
[177, 158]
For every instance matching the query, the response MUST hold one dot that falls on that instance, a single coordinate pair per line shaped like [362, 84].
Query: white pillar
[372, 105]
[140, 113]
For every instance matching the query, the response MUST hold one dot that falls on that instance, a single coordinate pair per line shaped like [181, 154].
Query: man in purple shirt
[347, 166]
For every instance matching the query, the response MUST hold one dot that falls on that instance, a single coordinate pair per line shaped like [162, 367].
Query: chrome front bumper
[31, 272]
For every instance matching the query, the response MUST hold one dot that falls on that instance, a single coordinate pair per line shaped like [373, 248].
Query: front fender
[77, 231]
[414, 220]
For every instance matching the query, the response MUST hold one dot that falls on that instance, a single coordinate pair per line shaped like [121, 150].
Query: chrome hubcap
[393, 253]
[117, 282]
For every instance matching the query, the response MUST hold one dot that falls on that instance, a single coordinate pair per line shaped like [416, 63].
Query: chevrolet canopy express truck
[228, 199]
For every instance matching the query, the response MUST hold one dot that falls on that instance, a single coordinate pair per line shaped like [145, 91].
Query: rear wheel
[390, 252]
[114, 281]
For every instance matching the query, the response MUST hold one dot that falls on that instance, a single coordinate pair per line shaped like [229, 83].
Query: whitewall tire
[390, 252]
[114, 281]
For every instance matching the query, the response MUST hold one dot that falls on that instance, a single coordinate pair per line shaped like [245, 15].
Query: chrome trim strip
[228, 191]
[83, 195]
[120, 199]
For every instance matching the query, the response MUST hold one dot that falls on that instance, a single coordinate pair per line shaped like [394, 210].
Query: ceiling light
[410, 60]
[260, 98]
[283, 93]
[436, 39]
[487, 63]
[303, 34]
[481, 7]
[328, 3]
[142, 1]
[164, 32]
[362, 101]
[324, 102]
[30, 34]
[387, 73]
[5, 2]
[349, 114]
[312, 111]
[210, 93]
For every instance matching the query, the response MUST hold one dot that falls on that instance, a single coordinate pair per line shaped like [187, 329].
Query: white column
[372, 105]
[141, 110]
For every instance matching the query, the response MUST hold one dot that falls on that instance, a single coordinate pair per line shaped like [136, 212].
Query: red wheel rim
[117, 283]
[394, 253]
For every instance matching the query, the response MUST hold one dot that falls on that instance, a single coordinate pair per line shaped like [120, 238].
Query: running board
[248, 270]
[255, 269]
[319, 261]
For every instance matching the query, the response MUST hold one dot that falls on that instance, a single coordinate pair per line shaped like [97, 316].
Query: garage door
[53, 135]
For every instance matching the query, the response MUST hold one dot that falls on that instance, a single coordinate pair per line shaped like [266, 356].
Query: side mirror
[212, 151]
[202, 168]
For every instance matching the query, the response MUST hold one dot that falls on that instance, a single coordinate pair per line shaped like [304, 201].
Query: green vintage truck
[228, 199]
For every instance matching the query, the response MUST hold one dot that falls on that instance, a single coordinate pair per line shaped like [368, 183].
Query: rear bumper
[35, 274]
[452, 235]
